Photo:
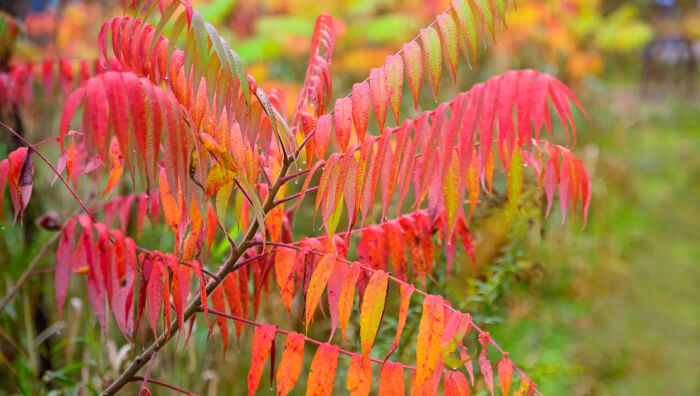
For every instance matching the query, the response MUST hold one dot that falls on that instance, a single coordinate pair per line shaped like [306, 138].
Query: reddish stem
[58, 174]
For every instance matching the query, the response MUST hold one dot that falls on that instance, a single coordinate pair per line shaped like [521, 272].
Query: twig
[228, 267]
[287, 332]
[163, 384]
[293, 196]
[58, 174]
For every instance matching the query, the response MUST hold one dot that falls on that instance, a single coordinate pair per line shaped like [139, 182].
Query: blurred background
[612, 309]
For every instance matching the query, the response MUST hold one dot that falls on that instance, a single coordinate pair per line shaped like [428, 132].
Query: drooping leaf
[360, 108]
[505, 374]
[347, 297]
[359, 377]
[291, 363]
[262, 344]
[322, 373]
[284, 273]
[335, 289]
[391, 382]
[432, 61]
[393, 71]
[429, 334]
[372, 310]
[412, 57]
[378, 94]
[317, 284]
[448, 38]
[456, 384]
[217, 301]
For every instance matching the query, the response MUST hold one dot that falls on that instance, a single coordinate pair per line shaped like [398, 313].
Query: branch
[230, 266]
[287, 332]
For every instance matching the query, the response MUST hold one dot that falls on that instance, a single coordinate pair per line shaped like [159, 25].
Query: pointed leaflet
[429, 333]
[322, 373]
[347, 297]
[318, 282]
[322, 135]
[393, 71]
[63, 259]
[155, 294]
[432, 62]
[197, 268]
[397, 248]
[342, 118]
[115, 173]
[335, 289]
[448, 38]
[456, 384]
[505, 373]
[378, 94]
[284, 273]
[485, 364]
[233, 296]
[414, 68]
[359, 377]
[217, 301]
[291, 363]
[262, 343]
[360, 108]
[391, 382]
[372, 310]
[406, 293]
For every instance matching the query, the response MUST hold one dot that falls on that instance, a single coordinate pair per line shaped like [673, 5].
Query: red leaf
[335, 289]
[391, 382]
[456, 384]
[217, 300]
[505, 373]
[291, 363]
[262, 343]
[233, 297]
[394, 83]
[322, 135]
[414, 68]
[485, 365]
[322, 373]
[64, 254]
[360, 108]
[342, 117]
[155, 294]
[378, 94]
[397, 248]
[197, 267]
[406, 293]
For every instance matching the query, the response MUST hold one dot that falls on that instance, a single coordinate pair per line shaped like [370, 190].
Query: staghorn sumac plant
[199, 139]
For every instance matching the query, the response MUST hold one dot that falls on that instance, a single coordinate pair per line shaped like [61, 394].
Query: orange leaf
[217, 300]
[322, 374]
[429, 333]
[359, 378]
[372, 310]
[391, 381]
[456, 384]
[262, 343]
[347, 297]
[115, 173]
[406, 292]
[505, 373]
[284, 266]
[291, 363]
[317, 284]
